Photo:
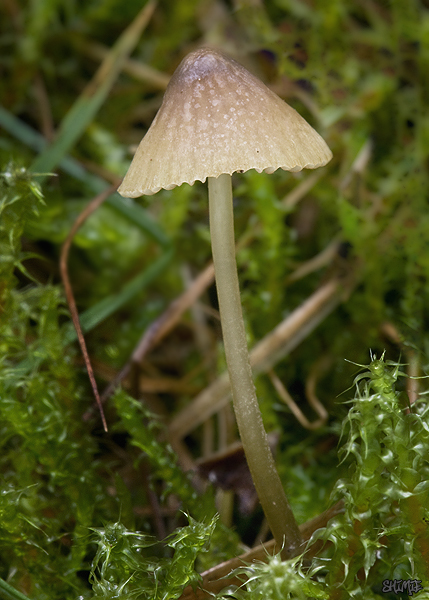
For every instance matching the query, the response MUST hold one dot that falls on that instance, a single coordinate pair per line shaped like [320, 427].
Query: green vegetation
[382, 533]
[87, 514]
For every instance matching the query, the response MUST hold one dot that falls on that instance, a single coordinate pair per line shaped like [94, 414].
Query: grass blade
[9, 592]
[106, 307]
[87, 105]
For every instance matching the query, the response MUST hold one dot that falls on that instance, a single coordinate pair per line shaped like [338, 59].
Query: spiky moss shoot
[383, 533]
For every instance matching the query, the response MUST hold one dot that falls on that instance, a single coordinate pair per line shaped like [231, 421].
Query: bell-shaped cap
[216, 118]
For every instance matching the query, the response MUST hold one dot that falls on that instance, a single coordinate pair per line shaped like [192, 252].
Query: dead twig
[325, 257]
[274, 346]
[165, 323]
[296, 411]
[65, 251]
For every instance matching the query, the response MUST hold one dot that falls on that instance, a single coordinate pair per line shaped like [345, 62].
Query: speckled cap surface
[216, 118]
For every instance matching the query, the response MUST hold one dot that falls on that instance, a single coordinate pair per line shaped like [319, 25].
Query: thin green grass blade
[128, 208]
[137, 215]
[10, 593]
[33, 139]
[87, 105]
[106, 307]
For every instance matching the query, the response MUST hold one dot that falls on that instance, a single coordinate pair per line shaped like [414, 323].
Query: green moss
[122, 569]
[383, 531]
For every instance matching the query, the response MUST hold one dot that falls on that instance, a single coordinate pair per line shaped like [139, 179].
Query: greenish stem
[258, 454]
[11, 592]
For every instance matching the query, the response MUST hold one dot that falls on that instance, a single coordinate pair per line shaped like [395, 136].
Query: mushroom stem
[250, 425]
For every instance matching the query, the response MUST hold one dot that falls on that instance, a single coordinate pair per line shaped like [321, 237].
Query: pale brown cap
[216, 118]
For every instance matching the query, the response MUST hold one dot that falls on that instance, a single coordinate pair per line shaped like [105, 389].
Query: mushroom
[217, 118]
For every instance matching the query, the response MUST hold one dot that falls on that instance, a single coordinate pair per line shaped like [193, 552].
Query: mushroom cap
[216, 118]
